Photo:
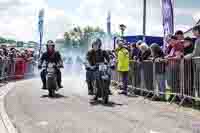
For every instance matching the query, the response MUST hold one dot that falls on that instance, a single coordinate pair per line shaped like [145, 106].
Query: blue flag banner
[168, 20]
[109, 23]
[41, 27]
[41, 20]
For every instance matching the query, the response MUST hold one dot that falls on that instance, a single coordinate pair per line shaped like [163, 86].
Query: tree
[11, 41]
[2, 40]
[81, 36]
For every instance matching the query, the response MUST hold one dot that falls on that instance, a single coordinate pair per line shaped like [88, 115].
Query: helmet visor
[50, 42]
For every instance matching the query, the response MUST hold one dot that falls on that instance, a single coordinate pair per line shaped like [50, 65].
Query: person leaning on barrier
[123, 65]
[134, 51]
[180, 35]
[196, 51]
[188, 46]
[51, 56]
[177, 48]
[145, 52]
[158, 59]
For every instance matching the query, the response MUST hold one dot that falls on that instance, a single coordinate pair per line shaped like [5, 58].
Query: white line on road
[151, 131]
[6, 124]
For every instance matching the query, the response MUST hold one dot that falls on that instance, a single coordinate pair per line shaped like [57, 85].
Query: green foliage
[81, 36]
[2, 40]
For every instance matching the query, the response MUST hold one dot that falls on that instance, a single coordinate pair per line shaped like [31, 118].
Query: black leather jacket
[55, 57]
[99, 56]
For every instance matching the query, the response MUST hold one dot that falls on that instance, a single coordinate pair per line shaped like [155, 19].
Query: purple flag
[168, 20]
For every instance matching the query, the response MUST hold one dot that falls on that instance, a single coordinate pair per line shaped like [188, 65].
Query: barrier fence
[177, 78]
[14, 69]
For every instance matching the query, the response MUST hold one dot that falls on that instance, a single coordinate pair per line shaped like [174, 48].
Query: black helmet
[97, 42]
[50, 43]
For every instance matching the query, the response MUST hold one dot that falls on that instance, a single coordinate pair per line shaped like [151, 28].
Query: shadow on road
[55, 97]
[110, 104]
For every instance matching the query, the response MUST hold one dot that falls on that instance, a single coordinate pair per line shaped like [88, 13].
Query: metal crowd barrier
[178, 78]
[14, 69]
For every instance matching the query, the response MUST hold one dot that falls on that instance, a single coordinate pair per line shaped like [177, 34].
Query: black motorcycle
[102, 80]
[51, 78]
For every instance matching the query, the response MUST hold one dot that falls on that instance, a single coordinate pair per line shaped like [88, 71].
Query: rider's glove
[112, 66]
[61, 66]
[39, 67]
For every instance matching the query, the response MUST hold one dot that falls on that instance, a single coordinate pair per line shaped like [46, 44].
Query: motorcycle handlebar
[97, 65]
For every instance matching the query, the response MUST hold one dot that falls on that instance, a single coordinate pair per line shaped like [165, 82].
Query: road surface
[32, 111]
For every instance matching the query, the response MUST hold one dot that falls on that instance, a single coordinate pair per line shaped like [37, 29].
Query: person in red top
[177, 47]
[180, 35]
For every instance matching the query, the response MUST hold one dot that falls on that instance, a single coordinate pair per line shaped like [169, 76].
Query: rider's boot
[44, 87]
[95, 98]
[43, 78]
[60, 86]
[90, 88]
[59, 79]
[109, 92]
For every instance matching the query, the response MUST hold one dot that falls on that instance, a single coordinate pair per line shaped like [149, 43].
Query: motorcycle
[102, 80]
[51, 78]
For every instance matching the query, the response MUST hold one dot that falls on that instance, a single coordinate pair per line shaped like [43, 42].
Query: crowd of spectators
[178, 47]
[14, 61]
[14, 53]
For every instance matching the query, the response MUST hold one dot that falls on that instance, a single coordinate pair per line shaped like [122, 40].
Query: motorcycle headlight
[102, 67]
[50, 69]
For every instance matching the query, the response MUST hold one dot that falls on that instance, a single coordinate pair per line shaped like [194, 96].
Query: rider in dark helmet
[94, 56]
[51, 56]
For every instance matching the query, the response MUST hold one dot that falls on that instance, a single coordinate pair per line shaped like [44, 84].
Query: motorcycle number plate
[50, 70]
[104, 77]
[102, 67]
[50, 65]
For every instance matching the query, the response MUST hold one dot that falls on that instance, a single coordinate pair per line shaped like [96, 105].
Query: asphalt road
[31, 111]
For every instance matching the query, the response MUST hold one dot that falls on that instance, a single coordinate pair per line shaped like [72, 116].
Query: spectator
[139, 43]
[158, 57]
[168, 47]
[188, 45]
[145, 52]
[146, 66]
[156, 51]
[177, 50]
[179, 34]
[134, 51]
[2, 56]
[196, 51]
[5, 51]
[123, 65]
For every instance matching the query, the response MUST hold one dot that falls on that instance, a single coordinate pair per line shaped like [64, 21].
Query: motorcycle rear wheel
[51, 93]
[105, 92]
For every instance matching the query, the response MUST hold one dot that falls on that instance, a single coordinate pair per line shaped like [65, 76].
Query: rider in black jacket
[51, 56]
[94, 56]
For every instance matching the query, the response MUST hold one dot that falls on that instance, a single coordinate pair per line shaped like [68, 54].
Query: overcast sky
[19, 18]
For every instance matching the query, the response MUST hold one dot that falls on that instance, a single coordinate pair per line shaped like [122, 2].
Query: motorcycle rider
[94, 56]
[51, 56]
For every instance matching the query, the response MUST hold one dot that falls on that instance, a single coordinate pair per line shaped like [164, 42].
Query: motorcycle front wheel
[51, 92]
[105, 92]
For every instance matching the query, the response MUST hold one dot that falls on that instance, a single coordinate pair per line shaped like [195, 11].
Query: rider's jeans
[90, 77]
[43, 77]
